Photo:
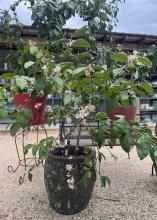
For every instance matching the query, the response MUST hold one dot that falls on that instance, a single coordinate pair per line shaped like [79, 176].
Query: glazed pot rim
[71, 158]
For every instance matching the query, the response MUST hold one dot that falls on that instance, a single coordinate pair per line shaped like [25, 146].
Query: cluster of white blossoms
[89, 70]
[132, 58]
[44, 68]
[56, 71]
[44, 65]
[83, 112]
[32, 43]
[70, 43]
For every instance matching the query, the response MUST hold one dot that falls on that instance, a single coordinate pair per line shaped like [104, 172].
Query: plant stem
[79, 134]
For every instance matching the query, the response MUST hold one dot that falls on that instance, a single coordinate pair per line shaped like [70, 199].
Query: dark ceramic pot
[63, 179]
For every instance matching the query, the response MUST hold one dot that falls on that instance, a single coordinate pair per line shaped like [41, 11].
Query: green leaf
[124, 99]
[39, 55]
[59, 81]
[29, 64]
[104, 181]
[86, 179]
[78, 100]
[84, 55]
[48, 88]
[144, 61]
[10, 100]
[124, 96]
[40, 82]
[67, 99]
[121, 126]
[106, 76]
[110, 103]
[43, 150]
[118, 71]
[33, 94]
[126, 142]
[7, 76]
[35, 148]
[114, 90]
[143, 147]
[27, 147]
[21, 82]
[93, 174]
[79, 70]
[27, 113]
[33, 50]
[23, 122]
[80, 32]
[155, 152]
[147, 87]
[87, 161]
[21, 60]
[2, 103]
[30, 176]
[13, 129]
[100, 116]
[120, 57]
[82, 43]
[66, 54]
[3, 113]
[7, 86]
[153, 155]
[101, 156]
[2, 96]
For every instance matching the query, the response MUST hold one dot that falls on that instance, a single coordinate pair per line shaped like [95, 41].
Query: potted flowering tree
[70, 171]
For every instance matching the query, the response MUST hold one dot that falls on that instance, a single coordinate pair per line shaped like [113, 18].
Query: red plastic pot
[128, 112]
[37, 106]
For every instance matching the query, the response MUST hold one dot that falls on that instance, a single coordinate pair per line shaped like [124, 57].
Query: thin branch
[112, 155]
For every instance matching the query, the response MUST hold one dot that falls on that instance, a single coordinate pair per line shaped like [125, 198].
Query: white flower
[90, 108]
[89, 70]
[32, 43]
[69, 167]
[71, 43]
[44, 68]
[71, 182]
[132, 58]
[84, 112]
[57, 70]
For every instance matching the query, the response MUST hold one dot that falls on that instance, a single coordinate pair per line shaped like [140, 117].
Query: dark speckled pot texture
[63, 179]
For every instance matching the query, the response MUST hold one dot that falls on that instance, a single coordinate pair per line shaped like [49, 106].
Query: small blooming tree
[80, 79]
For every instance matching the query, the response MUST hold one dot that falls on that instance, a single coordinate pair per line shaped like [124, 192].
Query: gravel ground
[131, 196]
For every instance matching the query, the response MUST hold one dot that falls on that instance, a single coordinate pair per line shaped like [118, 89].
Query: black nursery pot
[63, 179]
